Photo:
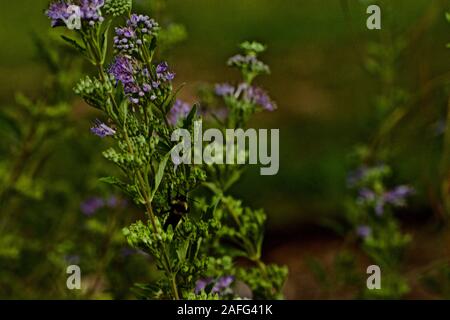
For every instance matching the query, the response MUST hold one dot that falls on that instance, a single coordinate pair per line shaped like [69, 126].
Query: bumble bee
[179, 207]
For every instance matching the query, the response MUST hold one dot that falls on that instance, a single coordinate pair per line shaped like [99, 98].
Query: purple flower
[219, 285]
[102, 130]
[91, 206]
[125, 40]
[222, 284]
[239, 60]
[62, 11]
[259, 97]
[224, 89]
[115, 202]
[143, 24]
[395, 197]
[179, 110]
[129, 38]
[90, 10]
[398, 195]
[363, 231]
[58, 13]
[162, 72]
[201, 284]
[122, 69]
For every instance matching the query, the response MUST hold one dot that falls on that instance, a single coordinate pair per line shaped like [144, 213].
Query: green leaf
[190, 118]
[105, 41]
[74, 44]
[160, 173]
[112, 181]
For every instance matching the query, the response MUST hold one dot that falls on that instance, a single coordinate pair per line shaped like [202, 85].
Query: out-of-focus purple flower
[102, 130]
[363, 231]
[395, 197]
[239, 59]
[222, 283]
[224, 89]
[179, 110]
[260, 97]
[201, 284]
[398, 195]
[162, 72]
[115, 202]
[253, 94]
[58, 13]
[356, 176]
[92, 205]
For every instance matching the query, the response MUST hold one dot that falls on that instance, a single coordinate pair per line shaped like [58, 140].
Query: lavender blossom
[115, 202]
[222, 284]
[259, 97]
[239, 59]
[224, 89]
[363, 231]
[92, 205]
[201, 284]
[129, 38]
[58, 13]
[398, 195]
[90, 11]
[102, 130]
[219, 286]
[179, 110]
[122, 69]
[143, 24]
[125, 40]
[162, 72]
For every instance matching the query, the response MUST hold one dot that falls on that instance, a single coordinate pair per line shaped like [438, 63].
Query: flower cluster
[219, 286]
[93, 204]
[248, 64]
[129, 38]
[136, 80]
[102, 130]
[73, 13]
[395, 197]
[179, 110]
[251, 94]
[363, 231]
